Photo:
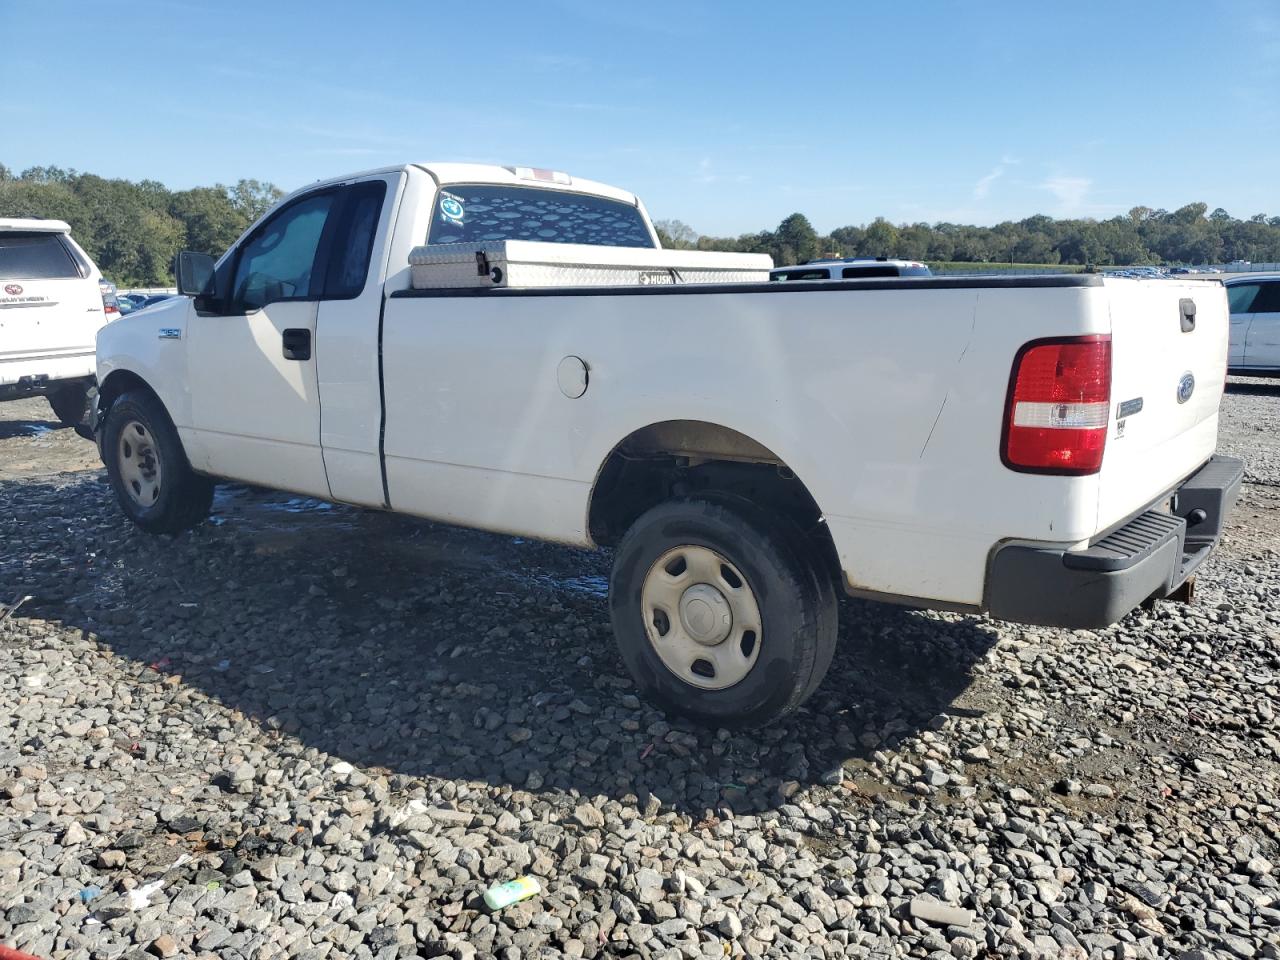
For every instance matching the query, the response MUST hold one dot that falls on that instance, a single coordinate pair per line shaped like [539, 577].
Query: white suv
[851, 268]
[52, 303]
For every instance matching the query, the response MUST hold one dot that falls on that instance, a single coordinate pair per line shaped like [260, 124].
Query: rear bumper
[1149, 556]
[39, 385]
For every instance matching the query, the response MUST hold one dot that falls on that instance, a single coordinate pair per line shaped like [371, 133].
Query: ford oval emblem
[13, 289]
[1186, 387]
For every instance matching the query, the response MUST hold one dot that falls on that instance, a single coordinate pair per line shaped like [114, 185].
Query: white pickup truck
[1037, 448]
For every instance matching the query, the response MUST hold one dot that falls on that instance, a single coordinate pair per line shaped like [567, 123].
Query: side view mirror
[195, 274]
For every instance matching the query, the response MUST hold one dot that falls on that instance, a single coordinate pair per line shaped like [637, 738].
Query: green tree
[253, 198]
[880, 239]
[676, 235]
[795, 240]
[211, 221]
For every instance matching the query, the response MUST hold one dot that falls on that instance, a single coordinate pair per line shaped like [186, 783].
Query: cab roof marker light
[541, 174]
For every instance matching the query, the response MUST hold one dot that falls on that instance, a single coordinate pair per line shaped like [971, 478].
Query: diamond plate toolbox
[530, 263]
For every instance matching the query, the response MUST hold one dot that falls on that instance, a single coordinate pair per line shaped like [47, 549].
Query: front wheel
[148, 468]
[719, 612]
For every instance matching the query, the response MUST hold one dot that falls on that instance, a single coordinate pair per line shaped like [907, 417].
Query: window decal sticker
[451, 208]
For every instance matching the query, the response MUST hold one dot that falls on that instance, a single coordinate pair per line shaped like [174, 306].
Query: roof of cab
[453, 173]
[30, 225]
[1233, 278]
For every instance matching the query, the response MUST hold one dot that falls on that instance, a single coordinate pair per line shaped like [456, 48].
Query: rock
[111, 859]
[940, 914]
[74, 834]
[588, 816]
[241, 778]
[1258, 867]
[164, 946]
[730, 925]
[450, 817]
[648, 885]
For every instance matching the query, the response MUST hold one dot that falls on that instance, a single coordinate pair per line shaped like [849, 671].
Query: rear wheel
[148, 469]
[71, 404]
[720, 612]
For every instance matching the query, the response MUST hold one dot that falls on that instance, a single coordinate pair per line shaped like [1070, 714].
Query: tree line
[1188, 235]
[133, 230]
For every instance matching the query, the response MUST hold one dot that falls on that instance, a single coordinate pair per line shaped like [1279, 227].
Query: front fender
[151, 346]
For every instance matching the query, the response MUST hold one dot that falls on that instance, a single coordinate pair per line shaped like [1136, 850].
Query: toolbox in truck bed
[531, 263]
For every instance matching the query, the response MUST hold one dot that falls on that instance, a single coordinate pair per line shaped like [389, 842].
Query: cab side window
[1268, 299]
[353, 241]
[1240, 297]
[279, 260]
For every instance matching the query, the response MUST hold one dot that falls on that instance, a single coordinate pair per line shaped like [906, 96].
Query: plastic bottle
[513, 891]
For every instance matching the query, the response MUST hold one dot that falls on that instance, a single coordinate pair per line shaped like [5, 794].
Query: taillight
[1059, 406]
[109, 305]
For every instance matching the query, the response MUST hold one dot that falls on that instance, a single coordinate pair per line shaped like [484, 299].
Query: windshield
[471, 213]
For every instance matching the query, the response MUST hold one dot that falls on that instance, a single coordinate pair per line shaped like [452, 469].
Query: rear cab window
[36, 255]
[474, 213]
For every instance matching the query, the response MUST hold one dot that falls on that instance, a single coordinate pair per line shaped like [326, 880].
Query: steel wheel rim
[139, 464]
[701, 617]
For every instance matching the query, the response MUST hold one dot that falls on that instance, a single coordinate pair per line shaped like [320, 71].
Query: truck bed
[885, 397]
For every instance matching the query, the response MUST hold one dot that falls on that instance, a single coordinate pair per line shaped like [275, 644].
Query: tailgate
[48, 317]
[1168, 373]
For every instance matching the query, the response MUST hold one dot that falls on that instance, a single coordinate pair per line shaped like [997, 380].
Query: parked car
[1037, 447]
[1255, 324]
[53, 300]
[154, 299]
[851, 268]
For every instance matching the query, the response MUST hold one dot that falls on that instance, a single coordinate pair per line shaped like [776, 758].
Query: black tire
[796, 602]
[183, 498]
[71, 404]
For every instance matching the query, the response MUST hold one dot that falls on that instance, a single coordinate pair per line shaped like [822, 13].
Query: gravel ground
[310, 731]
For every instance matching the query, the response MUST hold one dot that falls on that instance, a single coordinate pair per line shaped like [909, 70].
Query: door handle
[297, 344]
[1187, 310]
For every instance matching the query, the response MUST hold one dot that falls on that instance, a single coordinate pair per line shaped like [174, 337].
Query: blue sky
[726, 116]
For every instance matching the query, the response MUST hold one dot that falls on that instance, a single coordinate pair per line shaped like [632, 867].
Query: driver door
[255, 401]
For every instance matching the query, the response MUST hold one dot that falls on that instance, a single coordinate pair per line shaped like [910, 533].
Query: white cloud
[706, 174]
[983, 186]
[1070, 192]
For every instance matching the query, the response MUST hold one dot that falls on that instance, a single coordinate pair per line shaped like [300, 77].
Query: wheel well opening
[690, 458]
[119, 382]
